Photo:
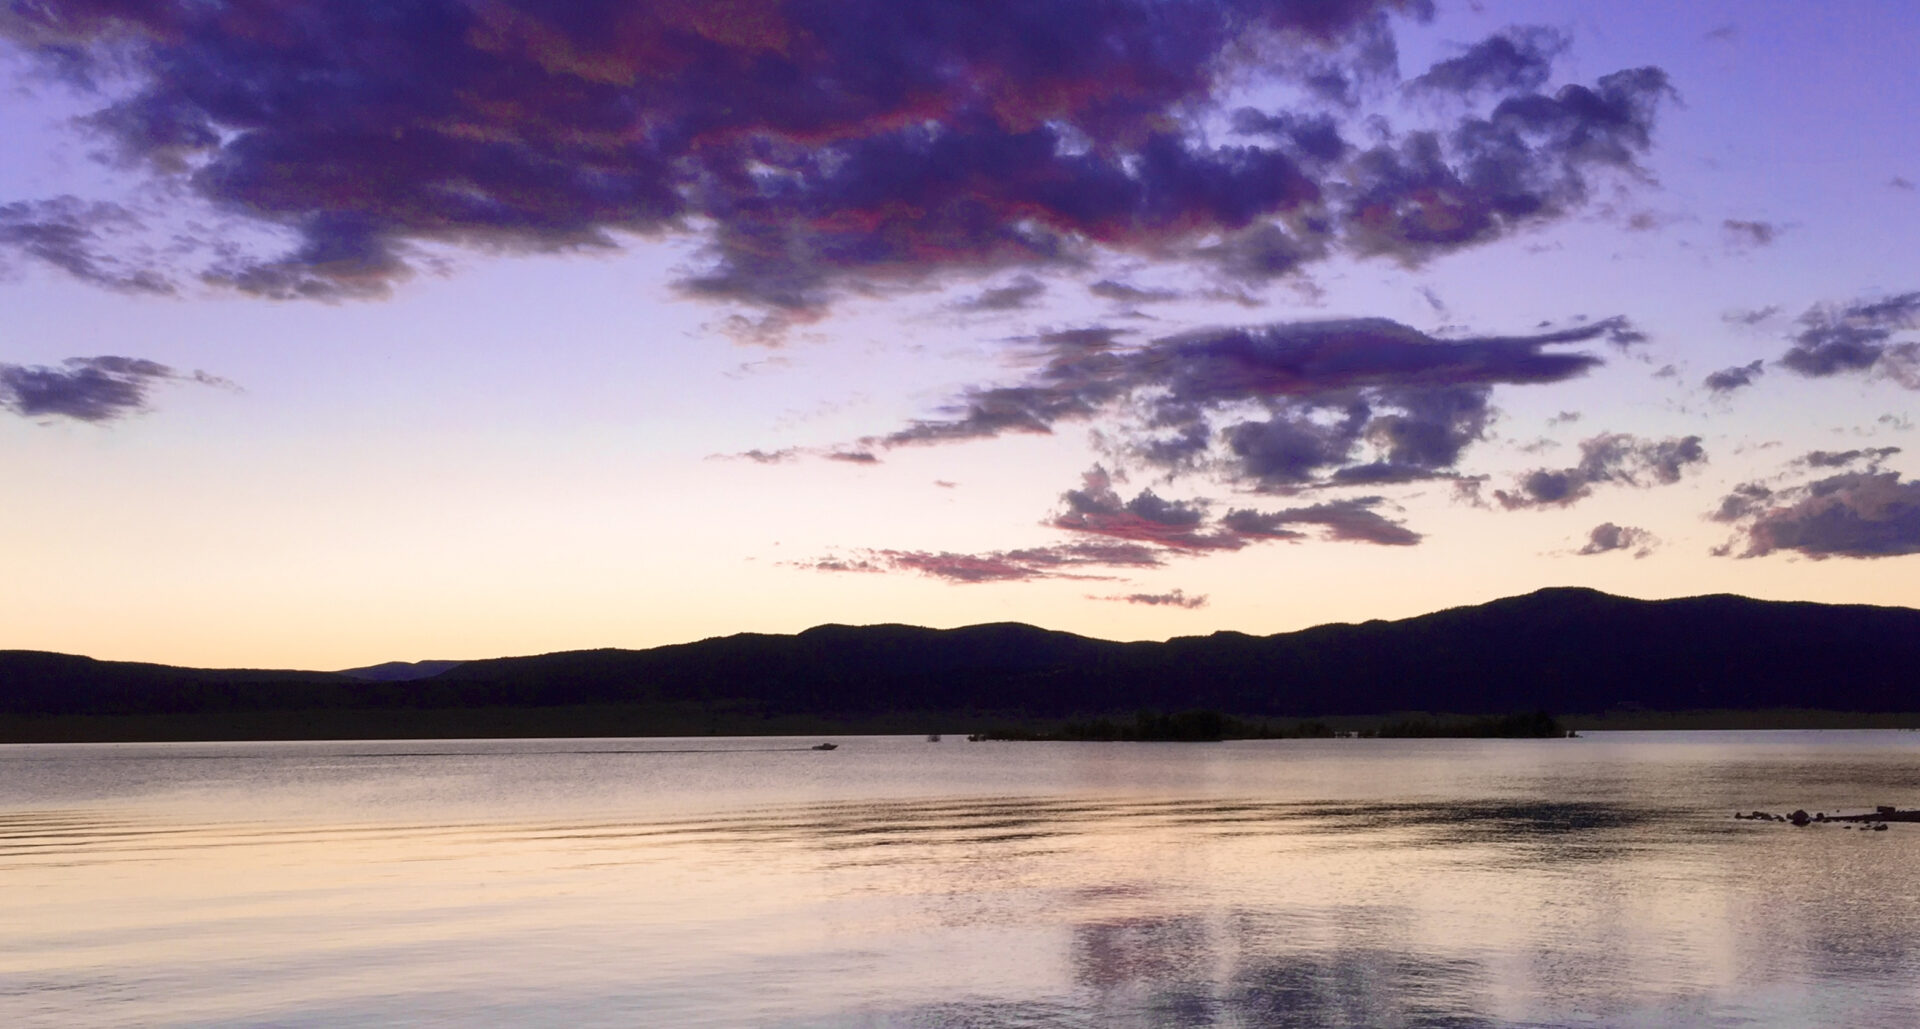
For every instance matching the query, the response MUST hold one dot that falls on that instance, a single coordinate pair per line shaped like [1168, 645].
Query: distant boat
[933, 737]
[825, 746]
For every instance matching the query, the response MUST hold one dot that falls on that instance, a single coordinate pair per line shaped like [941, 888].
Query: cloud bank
[812, 149]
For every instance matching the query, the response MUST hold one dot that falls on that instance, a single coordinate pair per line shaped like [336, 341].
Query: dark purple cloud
[812, 148]
[1273, 408]
[1353, 520]
[1608, 537]
[965, 568]
[1530, 160]
[1859, 337]
[1303, 359]
[1256, 525]
[1517, 60]
[1841, 458]
[1097, 509]
[1082, 373]
[1854, 514]
[1352, 401]
[1291, 449]
[1370, 437]
[1727, 380]
[341, 256]
[1613, 457]
[1745, 499]
[1262, 253]
[1183, 526]
[1313, 138]
[87, 389]
[989, 412]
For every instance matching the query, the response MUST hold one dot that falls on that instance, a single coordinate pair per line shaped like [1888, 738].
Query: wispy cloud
[786, 455]
[1872, 456]
[1743, 234]
[1859, 337]
[79, 238]
[89, 389]
[1751, 316]
[1064, 561]
[1728, 380]
[758, 456]
[853, 456]
[1352, 520]
[1111, 289]
[1172, 598]
[1144, 532]
[1022, 292]
[1615, 458]
[1608, 537]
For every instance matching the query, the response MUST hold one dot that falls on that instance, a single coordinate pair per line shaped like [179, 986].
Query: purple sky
[485, 327]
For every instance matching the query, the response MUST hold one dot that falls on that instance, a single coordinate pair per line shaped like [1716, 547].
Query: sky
[332, 334]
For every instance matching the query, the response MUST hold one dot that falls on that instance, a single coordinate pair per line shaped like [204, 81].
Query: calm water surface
[895, 882]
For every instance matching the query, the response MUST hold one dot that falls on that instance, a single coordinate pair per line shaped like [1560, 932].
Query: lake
[895, 882]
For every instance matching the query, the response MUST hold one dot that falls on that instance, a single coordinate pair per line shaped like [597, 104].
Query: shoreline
[585, 721]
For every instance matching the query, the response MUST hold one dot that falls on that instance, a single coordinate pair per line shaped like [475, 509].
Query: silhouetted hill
[1562, 650]
[400, 671]
[36, 682]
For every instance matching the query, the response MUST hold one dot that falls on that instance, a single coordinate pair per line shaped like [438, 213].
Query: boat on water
[825, 746]
[933, 737]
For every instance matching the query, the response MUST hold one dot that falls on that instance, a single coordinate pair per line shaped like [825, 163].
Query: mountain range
[1564, 650]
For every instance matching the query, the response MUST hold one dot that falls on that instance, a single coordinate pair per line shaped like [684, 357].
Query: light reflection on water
[893, 882]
